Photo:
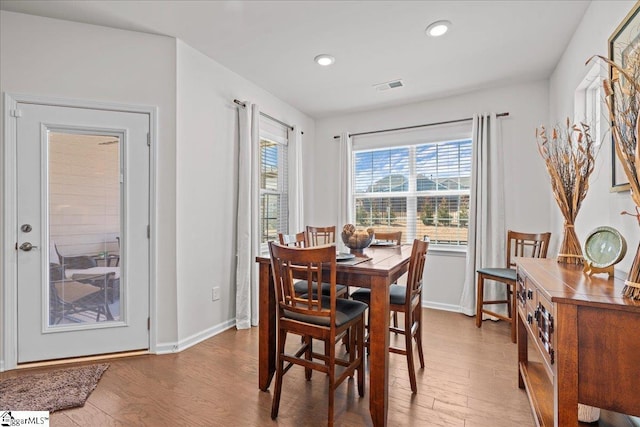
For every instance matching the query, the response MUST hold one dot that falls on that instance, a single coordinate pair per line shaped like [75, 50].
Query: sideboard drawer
[526, 290]
[526, 297]
[544, 321]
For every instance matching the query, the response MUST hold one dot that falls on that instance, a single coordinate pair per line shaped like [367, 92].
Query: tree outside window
[419, 190]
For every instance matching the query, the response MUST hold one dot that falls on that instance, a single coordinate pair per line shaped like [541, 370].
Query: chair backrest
[296, 240]
[71, 262]
[416, 269]
[390, 236]
[54, 254]
[291, 263]
[316, 236]
[526, 245]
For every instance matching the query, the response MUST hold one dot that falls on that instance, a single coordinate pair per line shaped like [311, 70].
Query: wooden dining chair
[531, 245]
[388, 236]
[322, 318]
[316, 236]
[299, 240]
[408, 300]
[296, 240]
[393, 237]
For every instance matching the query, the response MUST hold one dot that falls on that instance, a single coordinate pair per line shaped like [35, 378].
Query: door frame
[9, 230]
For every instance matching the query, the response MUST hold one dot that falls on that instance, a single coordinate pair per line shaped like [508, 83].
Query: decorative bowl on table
[356, 239]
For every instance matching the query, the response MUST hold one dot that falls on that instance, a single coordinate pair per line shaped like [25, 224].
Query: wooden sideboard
[578, 341]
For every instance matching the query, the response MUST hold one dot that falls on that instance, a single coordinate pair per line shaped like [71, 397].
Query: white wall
[207, 123]
[526, 182]
[196, 152]
[600, 206]
[50, 57]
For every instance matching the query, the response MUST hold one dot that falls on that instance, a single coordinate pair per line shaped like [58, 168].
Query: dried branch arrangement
[622, 92]
[569, 155]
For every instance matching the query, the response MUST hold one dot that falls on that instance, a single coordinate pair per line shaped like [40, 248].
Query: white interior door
[83, 214]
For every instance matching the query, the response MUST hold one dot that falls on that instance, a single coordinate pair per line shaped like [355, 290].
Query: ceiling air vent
[389, 85]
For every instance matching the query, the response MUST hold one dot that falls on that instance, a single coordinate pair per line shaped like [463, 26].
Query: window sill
[443, 250]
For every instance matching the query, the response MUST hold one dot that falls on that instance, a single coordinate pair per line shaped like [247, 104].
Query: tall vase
[570, 251]
[632, 284]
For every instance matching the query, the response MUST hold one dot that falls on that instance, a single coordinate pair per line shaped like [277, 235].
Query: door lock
[26, 246]
[26, 228]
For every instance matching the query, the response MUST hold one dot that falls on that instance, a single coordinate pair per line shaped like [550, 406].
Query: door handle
[26, 246]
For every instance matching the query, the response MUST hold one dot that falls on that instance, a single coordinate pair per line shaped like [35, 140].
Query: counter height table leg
[266, 327]
[378, 348]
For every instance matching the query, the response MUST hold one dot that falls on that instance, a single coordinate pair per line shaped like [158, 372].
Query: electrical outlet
[215, 294]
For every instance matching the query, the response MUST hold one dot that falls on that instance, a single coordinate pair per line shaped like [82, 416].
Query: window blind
[416, 181]
[274, 180]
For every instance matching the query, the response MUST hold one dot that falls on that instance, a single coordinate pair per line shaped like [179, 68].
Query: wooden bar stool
[530, 245]
[315, 317]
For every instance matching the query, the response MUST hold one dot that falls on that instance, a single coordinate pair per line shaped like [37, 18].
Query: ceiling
[273, 43]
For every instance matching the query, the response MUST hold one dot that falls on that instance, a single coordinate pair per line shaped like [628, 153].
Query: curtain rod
[418, 126]
[242, 104]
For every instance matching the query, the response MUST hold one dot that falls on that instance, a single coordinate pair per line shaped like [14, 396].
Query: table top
[383, 260]
[568, 284]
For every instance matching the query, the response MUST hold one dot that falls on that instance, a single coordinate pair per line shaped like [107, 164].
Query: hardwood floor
[470, 380]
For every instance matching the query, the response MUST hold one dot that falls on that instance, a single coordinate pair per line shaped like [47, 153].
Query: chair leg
[108, 314]
[308, 355]
[366, 329]
[332, 382]
[275, 405]
[479, 300]
[395, 320]
[352, 334]
[513, 315]
[418, 312]
[408, 340]
[346, 340]
[327, 349]
[360, 350]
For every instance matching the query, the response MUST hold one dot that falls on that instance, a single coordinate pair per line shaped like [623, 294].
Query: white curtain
[344, 188]
[486, 247]
[248, 242]
[296, 199]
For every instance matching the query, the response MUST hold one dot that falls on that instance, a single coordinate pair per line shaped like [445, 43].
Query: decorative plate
[382, 243]
[604, 247]
[344, 256]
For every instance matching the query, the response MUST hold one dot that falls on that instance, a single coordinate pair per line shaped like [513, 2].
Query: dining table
[377, 268]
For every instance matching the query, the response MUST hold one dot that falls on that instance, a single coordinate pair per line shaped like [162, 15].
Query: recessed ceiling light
[438, 28]
[324, 59]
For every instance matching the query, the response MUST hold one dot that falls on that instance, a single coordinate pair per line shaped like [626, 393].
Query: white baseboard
[165, 348]
[441, 306]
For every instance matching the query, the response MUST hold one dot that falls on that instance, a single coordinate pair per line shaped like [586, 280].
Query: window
[274, 199]
[588, 100]
[421, 189]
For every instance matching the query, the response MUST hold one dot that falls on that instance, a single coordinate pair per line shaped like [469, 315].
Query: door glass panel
[84, 228]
